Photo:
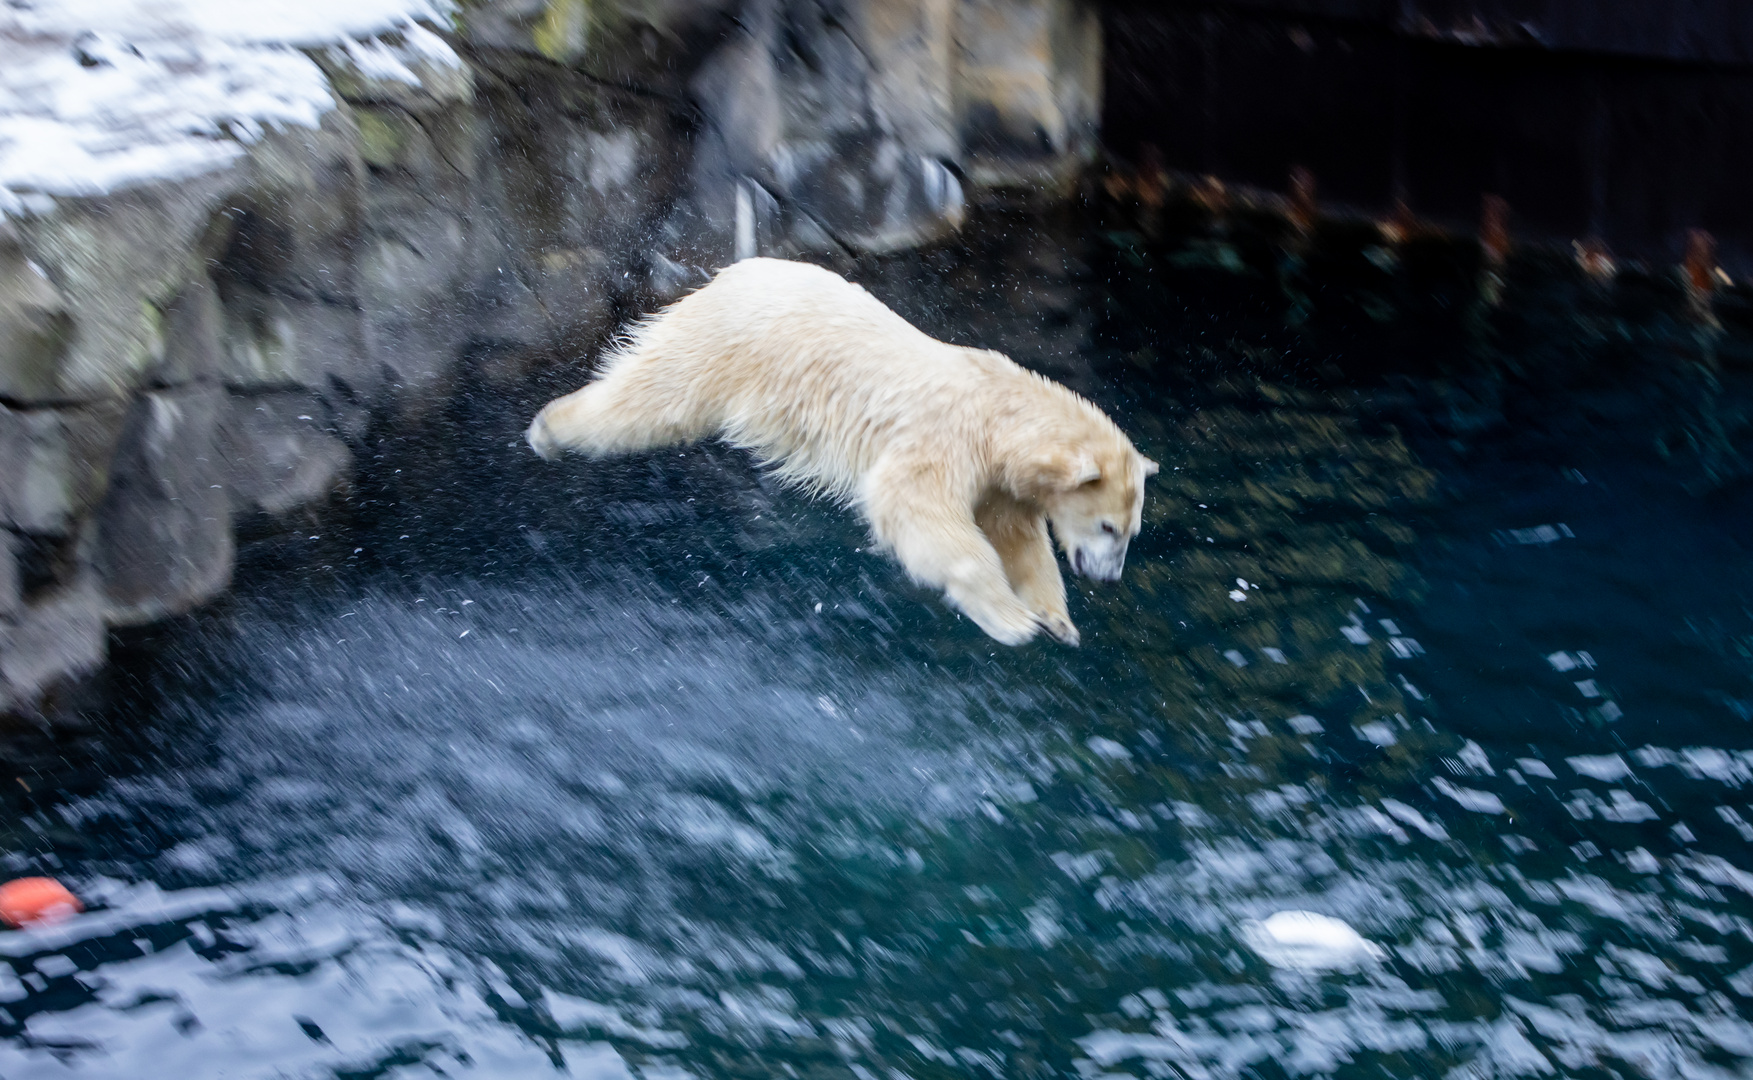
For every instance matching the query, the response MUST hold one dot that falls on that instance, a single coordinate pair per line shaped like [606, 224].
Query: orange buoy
[36, 901]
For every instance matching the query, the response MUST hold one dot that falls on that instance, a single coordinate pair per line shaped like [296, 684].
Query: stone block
[273, 341]
[275, 454]
[163, 539]
[194, 327]
[34, 328]
[912, 45]
[113, 260]
[11, 585]
[56, 464]
[58, 637]
[1028, 90]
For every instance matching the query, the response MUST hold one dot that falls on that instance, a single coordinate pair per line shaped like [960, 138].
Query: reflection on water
[645, 769]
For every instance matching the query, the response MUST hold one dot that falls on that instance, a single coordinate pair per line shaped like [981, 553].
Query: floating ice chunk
[1735, 821]
[1603, 767]
[1731, 769]
[574, 1014]
[1238, 595]
[1563, 661]
[1536, 767]
[1107, 748]
[1473, 756]
[1235, 657]
[1078, 867]
[1405, 648]
[1377, 732]
[1274, 655]
[1304, 724]
[1539, 534]
[1307, 941]
[1642, 862]
[1627, 809]
[1401, 812]
[1480, 802]
[1373, 820]
[1389, 626]
[1242, 583]
[1587, 688]
[1652, 756]
[1357, 635]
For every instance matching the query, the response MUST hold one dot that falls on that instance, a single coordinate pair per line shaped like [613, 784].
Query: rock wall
[185, 354]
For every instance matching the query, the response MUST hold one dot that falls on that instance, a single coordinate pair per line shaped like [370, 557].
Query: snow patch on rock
[99, 95]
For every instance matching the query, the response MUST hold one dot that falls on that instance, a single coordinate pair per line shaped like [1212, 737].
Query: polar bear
[956, 457]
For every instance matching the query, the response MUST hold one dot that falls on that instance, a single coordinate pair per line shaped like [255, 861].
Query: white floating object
[1407, 814]
[1536, 767]
[1304, 724]
[1603, 767]
[1376, 732]
[1274, 655]
[1405, 648]
[1480, 802]
[1108, 748]
[1238, 595]
[1357, 635]
[1307, 941]
[1235, 657]
[1588, 688]
[1539, 534]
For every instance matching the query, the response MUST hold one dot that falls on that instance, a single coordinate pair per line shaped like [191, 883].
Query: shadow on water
[647, 768]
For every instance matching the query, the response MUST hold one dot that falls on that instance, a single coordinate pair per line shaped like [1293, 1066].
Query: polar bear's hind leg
[627, 411]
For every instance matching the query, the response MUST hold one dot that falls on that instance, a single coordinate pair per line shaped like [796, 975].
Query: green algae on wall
[563, 30]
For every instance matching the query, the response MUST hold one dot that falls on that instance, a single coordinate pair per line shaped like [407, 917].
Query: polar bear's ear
[1061, 469]
[1084, 471]
[1151, 468]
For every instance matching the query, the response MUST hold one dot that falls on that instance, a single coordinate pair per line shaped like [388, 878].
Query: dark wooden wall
[1626, 120]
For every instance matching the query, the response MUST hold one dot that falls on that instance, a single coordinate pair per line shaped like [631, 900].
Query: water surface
[648, 768]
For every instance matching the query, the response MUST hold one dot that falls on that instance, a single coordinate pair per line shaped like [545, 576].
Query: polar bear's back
[805, 368]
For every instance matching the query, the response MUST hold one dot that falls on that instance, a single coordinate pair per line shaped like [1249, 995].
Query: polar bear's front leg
[1019, 534]
[915, 512]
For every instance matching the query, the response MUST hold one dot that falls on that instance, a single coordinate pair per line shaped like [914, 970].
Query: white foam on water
[1603, 767]
[1309, 941]
[1480, 802]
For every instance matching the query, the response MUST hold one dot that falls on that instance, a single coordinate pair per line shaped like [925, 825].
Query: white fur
[956, 457]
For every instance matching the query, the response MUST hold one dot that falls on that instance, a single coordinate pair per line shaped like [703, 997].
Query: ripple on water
[739, 801]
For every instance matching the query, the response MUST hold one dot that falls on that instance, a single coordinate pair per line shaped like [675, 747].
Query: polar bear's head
[1094, 495]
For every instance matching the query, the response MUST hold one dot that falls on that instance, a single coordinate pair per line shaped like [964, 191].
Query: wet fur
[956, 457]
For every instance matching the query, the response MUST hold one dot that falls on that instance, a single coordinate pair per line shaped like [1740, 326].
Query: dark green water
[644, 769]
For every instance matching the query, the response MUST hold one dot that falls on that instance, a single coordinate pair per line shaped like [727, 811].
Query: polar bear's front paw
[1060, 627]
[1008, 625]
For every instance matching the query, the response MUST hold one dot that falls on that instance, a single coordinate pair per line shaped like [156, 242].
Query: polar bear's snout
[1101, 557]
